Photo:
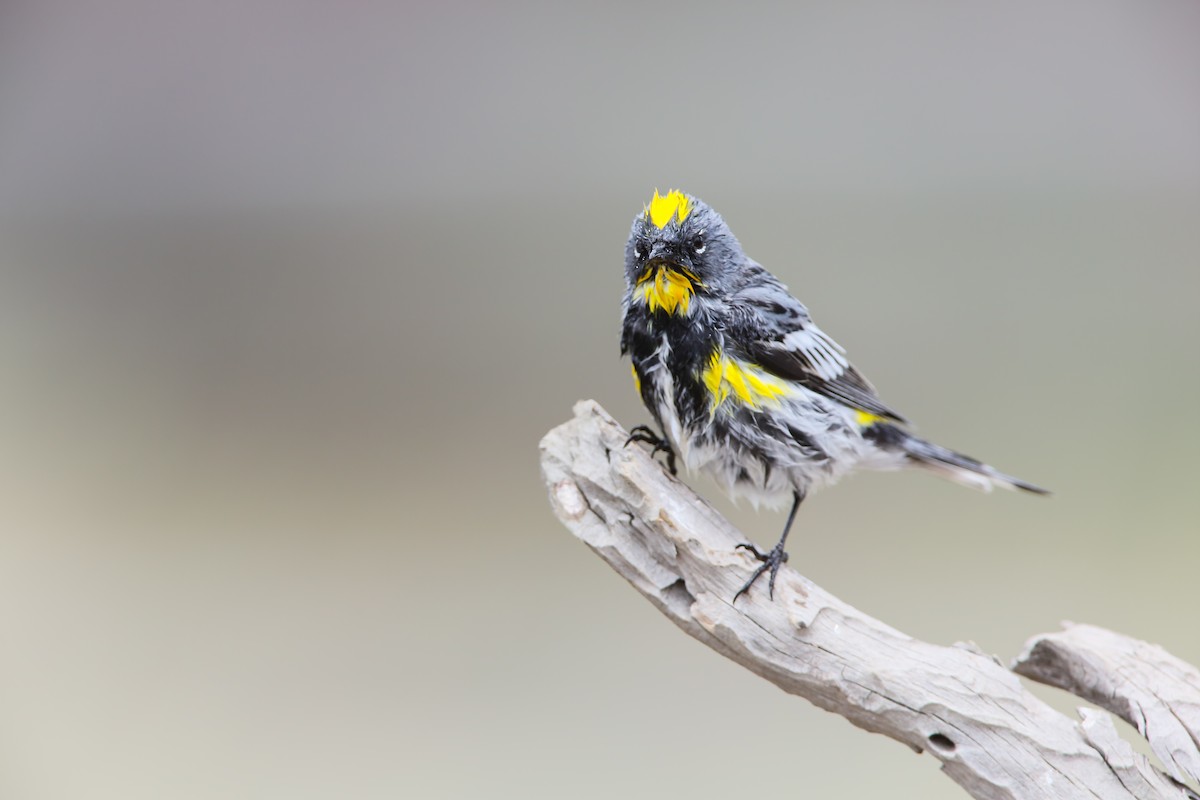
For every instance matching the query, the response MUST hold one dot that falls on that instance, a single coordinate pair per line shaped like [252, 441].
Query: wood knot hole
[941, 743]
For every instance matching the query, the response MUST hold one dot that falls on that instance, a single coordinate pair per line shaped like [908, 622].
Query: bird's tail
[957, 467]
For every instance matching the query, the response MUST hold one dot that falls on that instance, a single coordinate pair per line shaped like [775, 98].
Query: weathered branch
[992, 736]
[1141, 683]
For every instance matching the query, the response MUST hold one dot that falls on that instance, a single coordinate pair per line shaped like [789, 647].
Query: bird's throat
[667, 287]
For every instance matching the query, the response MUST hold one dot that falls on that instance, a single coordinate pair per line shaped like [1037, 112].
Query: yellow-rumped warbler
[743, 384]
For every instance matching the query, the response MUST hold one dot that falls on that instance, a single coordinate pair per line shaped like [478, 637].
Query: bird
[742, 383]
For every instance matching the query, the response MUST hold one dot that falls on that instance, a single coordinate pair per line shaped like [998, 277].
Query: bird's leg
[658, 444]
[775, 558]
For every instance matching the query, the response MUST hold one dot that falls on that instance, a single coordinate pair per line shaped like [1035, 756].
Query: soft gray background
[289, 293]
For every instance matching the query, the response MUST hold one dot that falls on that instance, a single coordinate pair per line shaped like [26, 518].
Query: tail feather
[960, 468]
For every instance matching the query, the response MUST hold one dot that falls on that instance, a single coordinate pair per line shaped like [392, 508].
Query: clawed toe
[776, 558]
[771, 561]
[658, 444]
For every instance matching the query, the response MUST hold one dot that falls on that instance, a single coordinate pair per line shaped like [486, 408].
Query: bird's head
[679, 247]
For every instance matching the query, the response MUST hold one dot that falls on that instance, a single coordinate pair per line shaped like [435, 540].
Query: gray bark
[1141, 683]
[993, 737]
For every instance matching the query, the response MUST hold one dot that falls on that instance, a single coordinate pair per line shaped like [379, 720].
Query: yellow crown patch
[661, 210]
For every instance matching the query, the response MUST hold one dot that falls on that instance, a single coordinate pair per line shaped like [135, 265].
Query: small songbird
[742, 383]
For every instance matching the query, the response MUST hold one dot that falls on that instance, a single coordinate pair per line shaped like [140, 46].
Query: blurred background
[289, 292]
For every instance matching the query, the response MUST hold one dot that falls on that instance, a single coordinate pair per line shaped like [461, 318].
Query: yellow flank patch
[741, 382]
[865, 418]
[676, 205]
[667, 289]
[637, 382]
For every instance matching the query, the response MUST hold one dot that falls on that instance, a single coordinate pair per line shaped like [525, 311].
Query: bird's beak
[660, 252]
[664, 255]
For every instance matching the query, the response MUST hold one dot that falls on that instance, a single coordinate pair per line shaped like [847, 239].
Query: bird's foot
[772, 561]
[658, 444]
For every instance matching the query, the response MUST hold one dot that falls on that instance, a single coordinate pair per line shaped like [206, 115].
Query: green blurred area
[272, 523]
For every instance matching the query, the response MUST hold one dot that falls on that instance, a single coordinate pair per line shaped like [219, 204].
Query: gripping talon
[772, 561]
[658, 444]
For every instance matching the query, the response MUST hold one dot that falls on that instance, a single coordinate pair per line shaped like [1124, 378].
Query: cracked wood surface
[1141, 683]
[962, 706]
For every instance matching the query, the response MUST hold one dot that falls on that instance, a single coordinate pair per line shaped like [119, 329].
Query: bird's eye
[698, 245]
[639, 250]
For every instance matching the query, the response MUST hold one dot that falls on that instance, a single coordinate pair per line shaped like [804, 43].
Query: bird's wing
[780, 336]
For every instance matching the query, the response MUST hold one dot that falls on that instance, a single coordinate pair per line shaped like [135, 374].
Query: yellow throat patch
[661, 210]
[667, 289]
[740, 382]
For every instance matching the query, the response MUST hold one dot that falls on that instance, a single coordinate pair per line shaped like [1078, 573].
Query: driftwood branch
[1141, 683]
[964, 707]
